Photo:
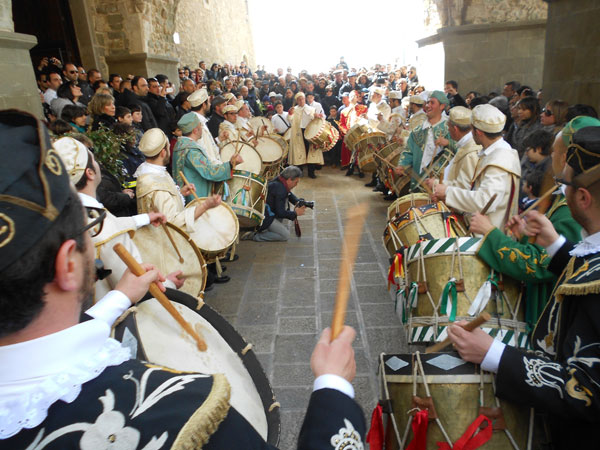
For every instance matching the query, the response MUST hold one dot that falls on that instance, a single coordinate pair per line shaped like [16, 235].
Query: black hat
[584, 156]
[218, 100]
[34, 185]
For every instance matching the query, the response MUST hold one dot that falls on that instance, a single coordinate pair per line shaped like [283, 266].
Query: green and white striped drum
[446, 282]
[247, 196]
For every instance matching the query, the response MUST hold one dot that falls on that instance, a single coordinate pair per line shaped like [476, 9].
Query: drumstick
[138, 270]
[185, 181]
[166, 229]
[538, 201]
[488, 205]
[477, 322]
[355, 220]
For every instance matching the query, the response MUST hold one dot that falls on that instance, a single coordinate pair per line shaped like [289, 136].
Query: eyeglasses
[97, 216]
[547, 112]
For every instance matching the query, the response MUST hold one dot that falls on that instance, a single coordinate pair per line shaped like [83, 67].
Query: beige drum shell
[271, 154]
[456, 401]
[165, 343]
[386, 173]
[282, 142]
[215, 231]
[402, 204]
[354, 134]
[438, 270]
[252, 159]
[320, 133]
[390, 239]
[256, 124]
[156, 248]
[248, 204]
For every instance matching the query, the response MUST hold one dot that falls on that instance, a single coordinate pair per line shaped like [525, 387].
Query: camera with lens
[301, 202]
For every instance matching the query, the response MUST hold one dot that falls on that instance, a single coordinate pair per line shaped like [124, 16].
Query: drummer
[417, 113]
[379, 111]
[498, 171]
[227, 130]
[200, 102]
[429, 146]
[192, 159]
[280, 120]
[397, 116]
[243, 116]
[301, 152]
[84, 173]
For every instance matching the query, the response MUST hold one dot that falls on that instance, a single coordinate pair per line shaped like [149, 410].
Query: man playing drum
[379, 111]
[66, 383]
[397, 117]
[424, 148]
[227, 130]
[498, 171]
[192, 159]
[417, 114]
[84, 173]
[301, 152]
[200, 102]
[562, 379]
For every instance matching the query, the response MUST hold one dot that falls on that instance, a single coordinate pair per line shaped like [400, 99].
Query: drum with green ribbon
[446, 282]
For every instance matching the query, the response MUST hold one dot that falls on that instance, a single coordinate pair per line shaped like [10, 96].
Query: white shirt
[281, 122]
[49, 95]
[207, 142]
[37, 373]
[308, 114]
[318, 108]
[430, 150]
[141, 220]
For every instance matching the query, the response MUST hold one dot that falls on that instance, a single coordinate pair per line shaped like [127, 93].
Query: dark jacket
[128, 98]
[163, 112]
[103, 119]
[111, 195]
[213, 124]
[277, 198]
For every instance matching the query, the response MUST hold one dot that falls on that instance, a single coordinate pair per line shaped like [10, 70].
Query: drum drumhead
[313, 129]
[156, 248]
[252, 160]
[154, 336]
[268, 149]
[216, 229]
[257, 123]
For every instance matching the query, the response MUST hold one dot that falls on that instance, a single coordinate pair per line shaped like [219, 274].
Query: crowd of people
[492, 152]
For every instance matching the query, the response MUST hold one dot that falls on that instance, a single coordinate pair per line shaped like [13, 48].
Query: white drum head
[269, 150]
[313, 128]
[216, 229]
[256, 123]
[166, 343]
[252, 160]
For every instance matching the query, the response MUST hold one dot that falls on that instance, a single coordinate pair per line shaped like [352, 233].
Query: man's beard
[86, 293]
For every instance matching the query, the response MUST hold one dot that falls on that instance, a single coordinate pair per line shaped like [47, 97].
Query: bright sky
[313, 34]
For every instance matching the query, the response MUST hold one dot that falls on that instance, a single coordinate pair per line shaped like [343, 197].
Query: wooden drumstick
[355, 220]
[166, 230]
[477, 322]
[538, 201]
[185, 181]
[138, 270]
[488, 205]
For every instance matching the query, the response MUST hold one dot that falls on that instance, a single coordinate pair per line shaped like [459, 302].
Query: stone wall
[572, 59]
[488, 42]
[214, 32]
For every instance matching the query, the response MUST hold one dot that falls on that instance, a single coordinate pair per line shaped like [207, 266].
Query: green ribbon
[492, 278]
[449, 289]
[410, 295]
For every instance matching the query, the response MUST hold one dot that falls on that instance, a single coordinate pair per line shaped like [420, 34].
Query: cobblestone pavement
[281, 296]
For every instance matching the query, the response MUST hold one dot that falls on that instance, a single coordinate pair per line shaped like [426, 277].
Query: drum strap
[449, 290]
[469, 440]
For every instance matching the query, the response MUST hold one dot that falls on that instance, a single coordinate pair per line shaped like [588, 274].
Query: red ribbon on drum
[469, 440]
[396, 270]
[419, 428]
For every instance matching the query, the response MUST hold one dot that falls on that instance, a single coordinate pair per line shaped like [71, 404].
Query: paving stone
[304, 273]
[299, 251]
[262, 338]
[386, 340]
[327, 300]
[369, 278]
[293, 398]
[287, 375]
[300, 261]
[291, 421]
[261, 296]
[327, 226]
[294, 348]
[297, 325]
[379, 315]
[296, 311]
[257, 314]
[225, 306]
[365, 393]
[328, 286]
[266, 361]
[374, 294]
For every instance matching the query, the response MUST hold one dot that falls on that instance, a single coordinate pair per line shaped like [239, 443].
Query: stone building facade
[488, 42]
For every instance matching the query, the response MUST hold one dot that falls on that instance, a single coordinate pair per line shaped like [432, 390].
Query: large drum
[271, 154]
[156, 248]
[432, 221]
[446, 282]
[366, 146]
[248, 193]
[390, 153]
[258, 123]
[252, 160]
[455, 394]
[354, 134]
[215, 231]
[404, 203]
[321, 134]
[281, 141]
[154, 336]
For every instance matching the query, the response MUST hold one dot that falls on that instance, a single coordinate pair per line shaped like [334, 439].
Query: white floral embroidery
[539, 374]
[347, 438]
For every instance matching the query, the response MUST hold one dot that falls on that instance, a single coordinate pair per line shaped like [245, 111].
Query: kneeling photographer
[276, 209]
